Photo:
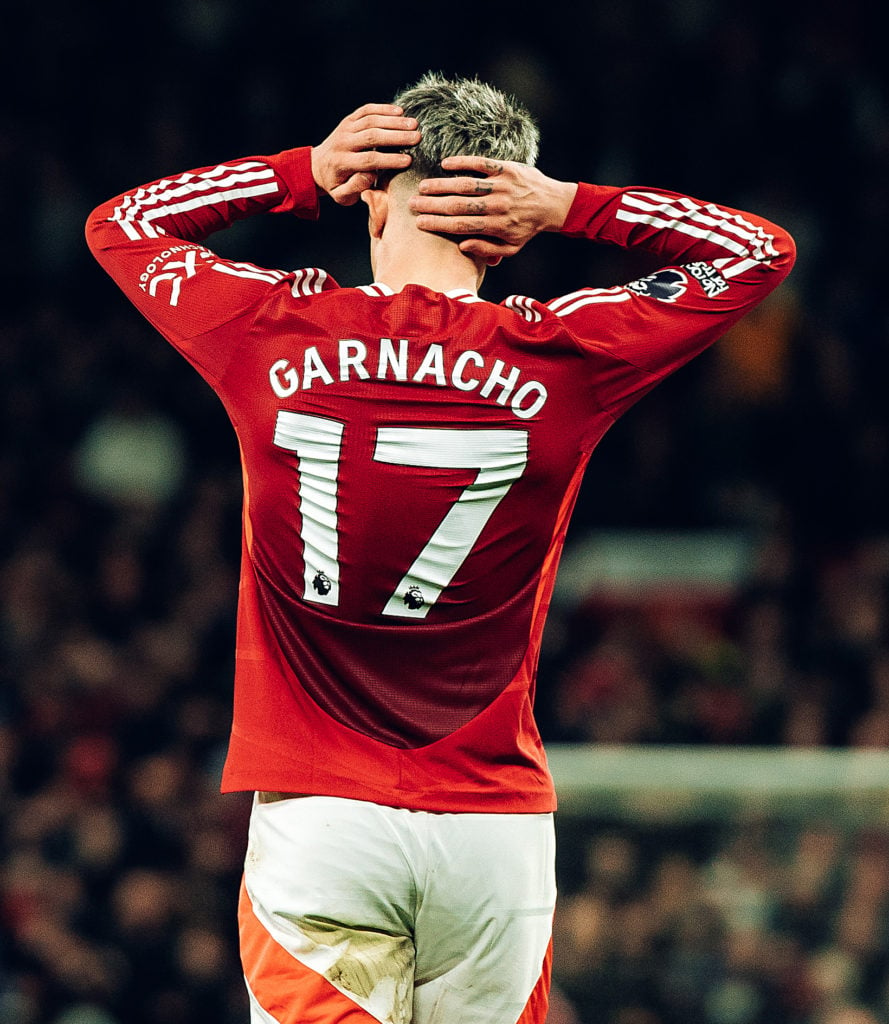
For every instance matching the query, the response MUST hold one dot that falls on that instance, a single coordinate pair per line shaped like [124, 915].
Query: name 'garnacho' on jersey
[405, 361]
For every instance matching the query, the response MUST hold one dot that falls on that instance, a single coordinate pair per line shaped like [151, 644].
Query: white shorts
[352, 912]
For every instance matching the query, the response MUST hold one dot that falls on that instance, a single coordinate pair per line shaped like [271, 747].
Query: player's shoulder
[303, 283]
[313, 281]
[310, 281]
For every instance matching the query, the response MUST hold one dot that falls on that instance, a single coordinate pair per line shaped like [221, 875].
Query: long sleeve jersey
[410, 463]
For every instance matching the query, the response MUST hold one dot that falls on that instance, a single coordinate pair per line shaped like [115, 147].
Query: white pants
[355, 912]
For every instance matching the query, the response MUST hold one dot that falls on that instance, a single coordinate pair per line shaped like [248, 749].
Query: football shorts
[352, 912]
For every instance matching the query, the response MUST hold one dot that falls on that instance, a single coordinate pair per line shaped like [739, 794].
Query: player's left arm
[501, 205]
[717, 262]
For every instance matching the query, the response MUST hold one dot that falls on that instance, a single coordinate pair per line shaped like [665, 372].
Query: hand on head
[348, 161]
[501, 204]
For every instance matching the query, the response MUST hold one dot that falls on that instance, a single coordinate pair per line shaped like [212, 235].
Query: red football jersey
[410, 464]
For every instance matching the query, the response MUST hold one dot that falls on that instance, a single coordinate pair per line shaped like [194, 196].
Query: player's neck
[411, 256]
[431, 274]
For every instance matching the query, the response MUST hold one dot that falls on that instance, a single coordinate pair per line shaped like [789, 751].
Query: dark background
[119, 862]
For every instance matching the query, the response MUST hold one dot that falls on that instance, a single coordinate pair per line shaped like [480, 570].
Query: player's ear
[377, 202]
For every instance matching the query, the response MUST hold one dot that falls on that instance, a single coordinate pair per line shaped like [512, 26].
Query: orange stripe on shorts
[285, 988]
[538, 1002]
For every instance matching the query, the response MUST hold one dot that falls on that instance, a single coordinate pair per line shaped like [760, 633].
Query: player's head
[455, 117]
[465, 117]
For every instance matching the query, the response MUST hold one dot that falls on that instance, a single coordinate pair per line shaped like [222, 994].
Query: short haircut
[465, 117]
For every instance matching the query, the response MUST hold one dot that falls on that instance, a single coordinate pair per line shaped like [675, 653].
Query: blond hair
[465, 117]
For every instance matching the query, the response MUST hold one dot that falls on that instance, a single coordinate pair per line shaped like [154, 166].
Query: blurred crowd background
[120, 491]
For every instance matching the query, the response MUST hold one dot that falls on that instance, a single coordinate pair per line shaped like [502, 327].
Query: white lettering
[457, 378]
[187, 263]
[394, 362]
[283, 378]
[432, 365]
[524, 391]
[314, 368]
[389, 360]
[352, 356]
[496, 377]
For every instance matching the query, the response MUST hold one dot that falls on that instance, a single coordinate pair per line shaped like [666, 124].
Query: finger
[479, 164]
[389, 161]
[348, 193]
[371, 161]
[362, 126]
[491, 251]
[455, 186]
[370, 138]
[385, 109]
[457, 206]
[381, 121]
[451, 225]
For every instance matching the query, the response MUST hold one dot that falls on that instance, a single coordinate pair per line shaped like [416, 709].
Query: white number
[500, 456]
[317, 443]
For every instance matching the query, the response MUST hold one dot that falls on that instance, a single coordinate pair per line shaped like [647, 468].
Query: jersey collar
[378, 289]
[462, 295]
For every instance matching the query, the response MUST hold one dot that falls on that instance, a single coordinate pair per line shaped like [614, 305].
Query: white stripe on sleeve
[188, 192]
[271, 277]
[731, 231]
[573, 301]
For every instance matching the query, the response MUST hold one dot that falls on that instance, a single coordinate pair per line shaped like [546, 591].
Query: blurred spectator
[730, 923]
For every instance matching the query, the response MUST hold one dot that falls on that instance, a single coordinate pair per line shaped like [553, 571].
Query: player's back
[410, 462]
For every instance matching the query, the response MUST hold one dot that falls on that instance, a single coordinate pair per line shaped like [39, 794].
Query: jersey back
[409, 462]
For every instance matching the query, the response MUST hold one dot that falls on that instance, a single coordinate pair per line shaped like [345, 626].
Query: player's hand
[503, 210]
[346, 162]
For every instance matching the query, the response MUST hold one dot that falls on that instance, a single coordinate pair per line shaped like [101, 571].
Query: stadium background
[119, 499]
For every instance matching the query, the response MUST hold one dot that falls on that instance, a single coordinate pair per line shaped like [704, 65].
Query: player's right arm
[151, 238]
